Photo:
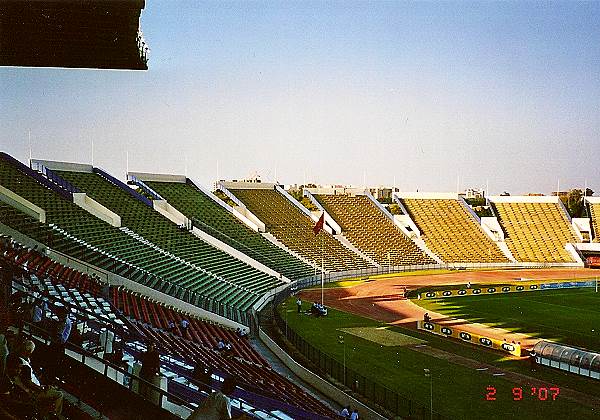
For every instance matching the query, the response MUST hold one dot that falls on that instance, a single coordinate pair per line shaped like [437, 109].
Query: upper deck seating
[536, 232]
[295, 230]
[451, 232]
[220, 223]
[595, 219]
[368, 229]
[154, 227]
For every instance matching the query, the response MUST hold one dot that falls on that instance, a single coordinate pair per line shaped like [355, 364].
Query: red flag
[319, 226]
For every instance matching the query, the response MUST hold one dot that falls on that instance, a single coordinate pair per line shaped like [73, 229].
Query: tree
[574, 202]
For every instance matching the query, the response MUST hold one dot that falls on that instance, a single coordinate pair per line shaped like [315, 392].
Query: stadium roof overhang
[100, 34]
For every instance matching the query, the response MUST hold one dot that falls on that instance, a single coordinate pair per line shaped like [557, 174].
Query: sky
[426, 96]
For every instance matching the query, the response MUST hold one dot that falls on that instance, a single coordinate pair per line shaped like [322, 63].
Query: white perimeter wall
[20, 203]
[96, 209]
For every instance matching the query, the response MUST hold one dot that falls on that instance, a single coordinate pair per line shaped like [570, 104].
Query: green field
[570, 316]
[458, 391]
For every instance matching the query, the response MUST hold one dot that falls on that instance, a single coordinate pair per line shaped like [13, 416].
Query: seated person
[220, 345]
[12, 397]
[48, 399]
[426, 317]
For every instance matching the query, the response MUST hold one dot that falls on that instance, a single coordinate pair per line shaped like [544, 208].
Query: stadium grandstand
[208, 213]
[537, 229]
[101, 34]
[179, 263]
[594, 206]
[371, 230]
[293, 227]
[138, 215]
[133, 320]
[450, 229]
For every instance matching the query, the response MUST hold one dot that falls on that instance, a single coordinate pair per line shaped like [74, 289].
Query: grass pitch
[458, 391]
[569, 316]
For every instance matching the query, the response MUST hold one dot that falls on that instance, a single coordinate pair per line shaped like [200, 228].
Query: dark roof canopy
[72, 33]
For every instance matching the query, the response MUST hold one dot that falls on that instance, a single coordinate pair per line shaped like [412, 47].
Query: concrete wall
[335, 227]
[23, 205]
[237, 254]
[96, 209]
[63, 166]
[146, 176]
[523, 199]
[171, 213]
[319, 383]
[581, 224]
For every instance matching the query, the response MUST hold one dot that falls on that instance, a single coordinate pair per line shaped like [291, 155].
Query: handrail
[36, 176]
[86, 353]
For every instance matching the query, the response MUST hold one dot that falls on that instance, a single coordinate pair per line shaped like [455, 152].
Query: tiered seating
[152, 226]
[202, 332]
[218, 222]
[251, 376]
[451, 232]
[62, 284]
[77, 233]
[595, 216]
[72, 287]
[295, 230]
[536, 232]
[368, 229]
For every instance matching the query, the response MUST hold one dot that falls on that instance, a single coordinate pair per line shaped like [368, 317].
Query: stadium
[154, 294]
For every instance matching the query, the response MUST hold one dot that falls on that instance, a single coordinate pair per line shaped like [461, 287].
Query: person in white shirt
[107, 339]
[48, 398]
[217, 406]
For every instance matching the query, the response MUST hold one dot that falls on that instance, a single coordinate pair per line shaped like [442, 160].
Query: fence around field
[332, 276]
[374, 392]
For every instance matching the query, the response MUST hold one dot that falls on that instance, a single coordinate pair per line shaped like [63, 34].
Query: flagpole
[322, 269]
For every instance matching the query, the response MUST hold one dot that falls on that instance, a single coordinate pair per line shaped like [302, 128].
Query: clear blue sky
[423, 92]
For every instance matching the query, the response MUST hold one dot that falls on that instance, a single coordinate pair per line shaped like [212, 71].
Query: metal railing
[377, 394]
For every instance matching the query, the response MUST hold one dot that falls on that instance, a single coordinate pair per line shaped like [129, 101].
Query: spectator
[220, 345]
[299, 305]
[426, 317]
[64, 326]
[354, 415]
[38, 310]
[48, 398]
[345, 413]
[217, 406]
[171, 327]
[3, 352]
[203, 375]
[150, 371]
[13, 397]
[184, 324]
[107, 339]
